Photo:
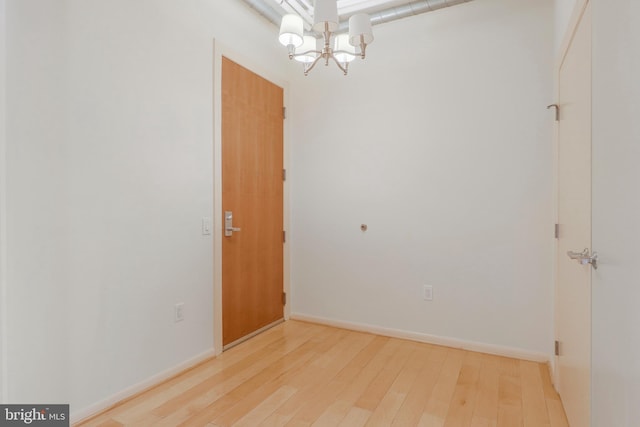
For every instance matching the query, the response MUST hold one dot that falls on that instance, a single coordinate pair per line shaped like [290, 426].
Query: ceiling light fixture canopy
[341, 48]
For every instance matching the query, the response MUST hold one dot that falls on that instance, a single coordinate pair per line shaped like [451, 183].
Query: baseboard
[130, 392]
[497, 350]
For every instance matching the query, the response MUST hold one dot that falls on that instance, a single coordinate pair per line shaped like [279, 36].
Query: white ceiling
[346, 8]
[349, 7]
[381, 11]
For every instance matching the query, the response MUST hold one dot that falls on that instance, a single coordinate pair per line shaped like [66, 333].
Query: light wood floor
[301, 374]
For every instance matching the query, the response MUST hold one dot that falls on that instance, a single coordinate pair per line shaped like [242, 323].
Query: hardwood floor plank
[509, 394]
[301, 374]
[387, 410]
[266, 408]
[378, 388]
[238, 371]
[260, 386]
[249, 392]
[356, 417]
[309, 382]
[214, 395]
[430, 420]
[334, 414]
[350, 392]
[135, 409]
[509, 416]
[438, 405]
[464, 397]
[557, 417]
[275, 420]
[486, 409]
[357, 386]
[549, 390]
[534, 405]
[482, 422]
[414, 404]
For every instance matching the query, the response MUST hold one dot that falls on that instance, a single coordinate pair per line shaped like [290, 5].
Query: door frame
[220, 50]
[572, 27]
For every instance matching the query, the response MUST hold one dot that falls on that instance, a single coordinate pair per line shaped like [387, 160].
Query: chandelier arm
[344, 68]
[308, 67]
[295, 55]
[345, 51]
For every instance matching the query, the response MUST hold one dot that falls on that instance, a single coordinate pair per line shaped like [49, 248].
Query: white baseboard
[497, 350]
[96, 408]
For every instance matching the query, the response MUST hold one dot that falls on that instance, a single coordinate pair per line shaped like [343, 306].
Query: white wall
[441, 143]
[563, 12]
[616, 209]
[110, 170]
[37, 203]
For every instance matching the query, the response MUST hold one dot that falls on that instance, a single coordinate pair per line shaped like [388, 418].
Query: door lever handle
[584, 258]
[578, 255]
[228, 224]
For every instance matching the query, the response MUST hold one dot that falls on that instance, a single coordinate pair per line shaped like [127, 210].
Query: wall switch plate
[207, 225]
[427, 293]
[179, 312]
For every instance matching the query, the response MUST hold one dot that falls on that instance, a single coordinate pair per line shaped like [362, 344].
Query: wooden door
[573, 308]
[252, 189]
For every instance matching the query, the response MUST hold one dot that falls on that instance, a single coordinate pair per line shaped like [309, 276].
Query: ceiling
[345, 7]
[380, 10]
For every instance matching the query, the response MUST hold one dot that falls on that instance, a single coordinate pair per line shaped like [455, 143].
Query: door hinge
[284, 112]
[284, 174]
[284, 298]
[284, 236]
[556, 231]
[557, 348]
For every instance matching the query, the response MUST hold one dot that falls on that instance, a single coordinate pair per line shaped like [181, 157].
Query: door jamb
[220, 50]
[576, 17]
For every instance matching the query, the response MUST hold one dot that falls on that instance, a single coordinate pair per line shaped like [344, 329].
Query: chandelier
[341, 48]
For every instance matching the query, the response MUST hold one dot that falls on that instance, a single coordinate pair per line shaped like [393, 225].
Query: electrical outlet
[179, 312]
[427, 293]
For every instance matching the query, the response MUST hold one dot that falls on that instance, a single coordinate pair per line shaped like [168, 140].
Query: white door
[573, 306]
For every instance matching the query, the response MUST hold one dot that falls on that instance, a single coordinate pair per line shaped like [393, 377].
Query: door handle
[584, 258]
[228, 224]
